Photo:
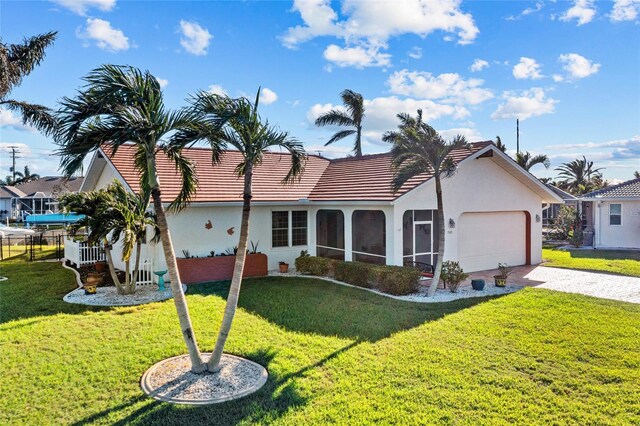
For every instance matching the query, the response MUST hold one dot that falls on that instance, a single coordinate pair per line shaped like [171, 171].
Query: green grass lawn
[334, 355]
[612, 261]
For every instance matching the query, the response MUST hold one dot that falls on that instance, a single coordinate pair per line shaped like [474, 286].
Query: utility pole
[518, 135]
[14, 151]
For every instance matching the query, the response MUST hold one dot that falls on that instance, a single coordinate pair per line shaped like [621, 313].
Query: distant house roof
[367, 177]
[8, 191]
[628, 189]
[44, 187]
[560, 193]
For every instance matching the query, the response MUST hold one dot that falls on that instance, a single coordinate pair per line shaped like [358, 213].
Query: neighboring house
[550, 211]
[38, 196]
[613, 215]
[345, 208]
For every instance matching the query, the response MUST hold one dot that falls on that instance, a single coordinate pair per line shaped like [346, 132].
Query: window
[369, 236]
[280, 230]
[299, 228]
[615, 214]
[330, 234]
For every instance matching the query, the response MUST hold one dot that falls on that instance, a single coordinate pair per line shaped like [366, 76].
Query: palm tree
[16, 62]
[120, 105]
[354, 105]
[110, 214]
[236, 123]
[527, 161]
[636, 175]
[579, 176]
[502, 147]
[418, 148]
[26, 176]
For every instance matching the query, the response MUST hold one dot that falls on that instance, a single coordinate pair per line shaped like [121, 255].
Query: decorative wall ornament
[208, 225]
[231, 230]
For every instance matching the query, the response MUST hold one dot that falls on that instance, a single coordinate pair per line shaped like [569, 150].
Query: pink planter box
[219, 268]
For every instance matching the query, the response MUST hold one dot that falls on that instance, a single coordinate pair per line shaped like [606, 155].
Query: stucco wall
[626, 235]
[482, 186]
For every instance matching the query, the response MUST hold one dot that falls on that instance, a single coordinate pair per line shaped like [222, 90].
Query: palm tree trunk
[136, 268]
[112, 269]
[234, 292]
[197, 366]
[441, 227]
[359, 141]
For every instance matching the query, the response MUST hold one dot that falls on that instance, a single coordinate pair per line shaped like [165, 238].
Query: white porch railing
[81, 253]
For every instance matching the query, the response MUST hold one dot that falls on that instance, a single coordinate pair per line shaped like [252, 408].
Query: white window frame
[289, 229]
[620, 214]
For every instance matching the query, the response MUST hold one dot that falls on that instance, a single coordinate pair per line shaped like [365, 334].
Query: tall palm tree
[119, 105]
[26, 176]
[236, 123]
[579, 176]
[418, 148]
[354, 105]
[111, 214]
[16, 62]
[502, 147]
[527, 161]
[636, 175]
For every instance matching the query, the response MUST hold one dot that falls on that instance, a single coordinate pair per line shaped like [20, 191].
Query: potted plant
[504, 271]
[477, 284]
[452, 275]
[101, 266]
[92, 282]
[284, 267]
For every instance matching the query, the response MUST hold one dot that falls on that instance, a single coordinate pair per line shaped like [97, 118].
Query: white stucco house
[345, 208]
[612, 214]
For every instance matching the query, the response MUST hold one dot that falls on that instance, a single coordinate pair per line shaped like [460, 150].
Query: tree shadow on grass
[320, 307]
[279, 395]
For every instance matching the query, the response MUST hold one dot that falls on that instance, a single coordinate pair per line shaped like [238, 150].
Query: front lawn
[621, 262]
[334, 355]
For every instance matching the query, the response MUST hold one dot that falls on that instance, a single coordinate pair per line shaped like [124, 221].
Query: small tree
[564, 223]
[452, 275]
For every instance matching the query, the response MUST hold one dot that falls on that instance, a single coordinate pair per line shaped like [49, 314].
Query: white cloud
[527, 104]
[216, 89]
[469, 133]
[557, 78]
[358, 56]
[528, 11]
[9, 119]
[80, 7]
[527, 68]
[368, 25]
[415, 52]
[448, 87]
[195, 39]
[163, 82]
[577, 66]
[582, 10]
[625, 10]
[479, 65]
[104, 35]
[382, 113]
[268, 96]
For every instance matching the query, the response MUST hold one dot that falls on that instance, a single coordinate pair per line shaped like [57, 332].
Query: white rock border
[3, 278]
[441, 296]
[146, 381]
[107, 296]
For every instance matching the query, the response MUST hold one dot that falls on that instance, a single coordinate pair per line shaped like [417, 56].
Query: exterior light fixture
[537, 218]
[452, 223]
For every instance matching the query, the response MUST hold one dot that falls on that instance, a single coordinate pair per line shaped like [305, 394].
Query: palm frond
[339, 135]
[335, 118]
[34, 115]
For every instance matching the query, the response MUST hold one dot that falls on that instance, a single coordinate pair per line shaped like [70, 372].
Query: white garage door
[486, 239]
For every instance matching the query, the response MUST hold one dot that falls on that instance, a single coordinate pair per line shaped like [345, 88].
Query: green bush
[312, 265]
[452, 275]
[355, 273]
[397, 280]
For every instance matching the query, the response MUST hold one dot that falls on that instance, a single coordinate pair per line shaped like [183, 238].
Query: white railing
[81, 253]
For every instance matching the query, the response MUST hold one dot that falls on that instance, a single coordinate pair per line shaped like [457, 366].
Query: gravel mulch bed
[108, 296]
[171, 380]
[442, 295]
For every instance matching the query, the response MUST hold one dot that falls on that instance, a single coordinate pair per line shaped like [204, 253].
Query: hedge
[396, 280]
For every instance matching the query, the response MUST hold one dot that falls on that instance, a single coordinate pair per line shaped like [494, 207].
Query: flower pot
[500, 280]
[101, 267]
[477, 285]
[284, 268]
[92, 282]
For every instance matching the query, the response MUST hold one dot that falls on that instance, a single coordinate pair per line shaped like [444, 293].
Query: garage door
[486, 239]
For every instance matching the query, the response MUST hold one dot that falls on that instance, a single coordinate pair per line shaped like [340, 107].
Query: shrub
[452, 275]
[312, 265]
[397, 280]
[355, 273]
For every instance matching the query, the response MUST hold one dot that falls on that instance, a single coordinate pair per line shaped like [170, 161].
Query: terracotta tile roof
[363, 178]
[368, 178]
[628, 189]
[218, 183]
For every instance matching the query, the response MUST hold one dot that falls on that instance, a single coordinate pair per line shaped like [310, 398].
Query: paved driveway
[606, 286]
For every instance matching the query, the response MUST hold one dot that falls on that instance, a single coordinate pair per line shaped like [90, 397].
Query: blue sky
[569, 70]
